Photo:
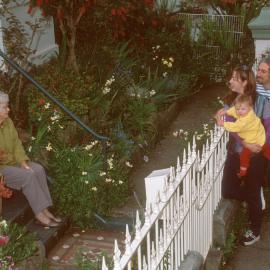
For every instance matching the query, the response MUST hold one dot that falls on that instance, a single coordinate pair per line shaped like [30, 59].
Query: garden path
[255, 256]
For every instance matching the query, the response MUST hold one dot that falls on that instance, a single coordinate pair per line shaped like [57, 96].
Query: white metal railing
[181, 219]
[215, 33]
[233, 24]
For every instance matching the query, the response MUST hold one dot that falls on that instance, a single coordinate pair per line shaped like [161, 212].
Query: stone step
[48, 236]
[16, 209]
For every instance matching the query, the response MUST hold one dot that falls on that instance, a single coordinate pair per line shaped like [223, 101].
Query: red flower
[3, 240]
[148, 2]
[229, 1]
[4, 191]
[113, 12]
[41, 102]
[123, 10]
[39, 3]
[154, 23]
[30, 9]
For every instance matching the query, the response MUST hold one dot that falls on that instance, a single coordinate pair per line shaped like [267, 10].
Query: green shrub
[82, 185]
[21, 244]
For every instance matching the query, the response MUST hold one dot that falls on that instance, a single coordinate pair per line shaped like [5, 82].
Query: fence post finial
[153, 255]
[194, 146]
[178, 167]
[144, 263]
[171, 179]
[156, 204]
[104, 266]
[116, 257]
[164, 191]
[127, 242]
[147, 215]
[138, 226]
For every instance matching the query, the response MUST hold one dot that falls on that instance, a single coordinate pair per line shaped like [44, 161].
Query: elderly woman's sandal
[50, 224]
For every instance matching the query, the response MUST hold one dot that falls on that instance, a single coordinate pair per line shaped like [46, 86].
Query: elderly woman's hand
[24, 165]
[3, 155]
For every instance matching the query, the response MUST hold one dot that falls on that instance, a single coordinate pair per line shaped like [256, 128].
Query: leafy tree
[69, 14]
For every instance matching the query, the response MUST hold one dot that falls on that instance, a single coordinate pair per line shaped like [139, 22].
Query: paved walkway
[257, 256]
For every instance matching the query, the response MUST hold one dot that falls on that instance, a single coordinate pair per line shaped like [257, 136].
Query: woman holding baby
[245, 164]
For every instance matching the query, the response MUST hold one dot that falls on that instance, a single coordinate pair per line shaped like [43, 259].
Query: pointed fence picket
[181, 219]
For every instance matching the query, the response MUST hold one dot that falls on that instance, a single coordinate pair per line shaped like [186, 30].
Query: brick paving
[91, 243]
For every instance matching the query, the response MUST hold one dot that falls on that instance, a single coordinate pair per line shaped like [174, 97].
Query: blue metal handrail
[52, 98]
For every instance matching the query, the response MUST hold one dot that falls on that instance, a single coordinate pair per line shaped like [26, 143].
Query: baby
[248, 127]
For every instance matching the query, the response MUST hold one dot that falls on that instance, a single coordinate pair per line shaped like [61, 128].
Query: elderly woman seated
[20, 173]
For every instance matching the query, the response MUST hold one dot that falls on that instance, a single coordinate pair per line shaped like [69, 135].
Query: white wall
[44, 45]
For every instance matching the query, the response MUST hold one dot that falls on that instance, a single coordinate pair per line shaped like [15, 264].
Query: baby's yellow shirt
[248, 127]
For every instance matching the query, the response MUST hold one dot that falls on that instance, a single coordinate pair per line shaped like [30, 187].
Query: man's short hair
[265, 60]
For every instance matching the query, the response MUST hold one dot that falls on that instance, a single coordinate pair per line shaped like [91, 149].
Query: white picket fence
[181, 219]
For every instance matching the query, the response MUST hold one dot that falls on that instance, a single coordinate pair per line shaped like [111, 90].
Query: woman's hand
[254, 148]
[24, 165]
[3, 155]
[219, 115]
[220, 122]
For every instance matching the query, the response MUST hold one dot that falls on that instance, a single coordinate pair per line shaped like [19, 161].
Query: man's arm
[254, 148]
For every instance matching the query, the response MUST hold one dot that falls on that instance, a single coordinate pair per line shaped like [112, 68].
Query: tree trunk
[71, 42]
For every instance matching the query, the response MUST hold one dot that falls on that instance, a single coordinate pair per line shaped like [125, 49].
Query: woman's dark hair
[244, 73]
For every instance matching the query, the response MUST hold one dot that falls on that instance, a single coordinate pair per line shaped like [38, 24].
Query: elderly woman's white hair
[4, 97]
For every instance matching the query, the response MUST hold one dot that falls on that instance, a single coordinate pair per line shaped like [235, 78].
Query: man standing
[263, 100]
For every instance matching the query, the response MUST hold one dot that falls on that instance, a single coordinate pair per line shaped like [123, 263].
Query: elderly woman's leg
[42, 180]
[41, 177]
[34, 189]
